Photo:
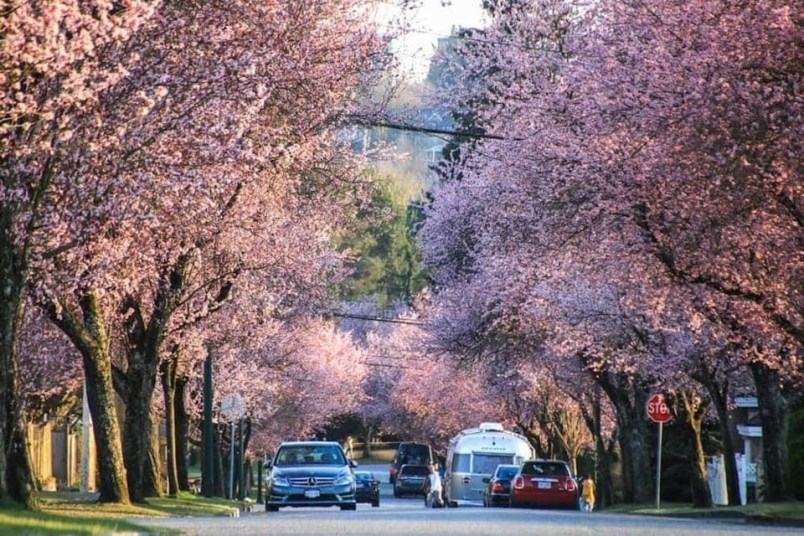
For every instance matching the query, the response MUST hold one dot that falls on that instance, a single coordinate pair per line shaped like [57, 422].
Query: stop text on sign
[657, 409]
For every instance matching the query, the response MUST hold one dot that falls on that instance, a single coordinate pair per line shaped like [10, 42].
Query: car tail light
[496, 487]
[519, 483]
[569, 484]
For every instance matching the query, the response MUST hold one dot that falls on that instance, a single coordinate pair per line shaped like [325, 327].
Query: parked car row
[318, 473]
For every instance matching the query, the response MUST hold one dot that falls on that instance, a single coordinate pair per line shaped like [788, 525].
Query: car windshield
[413, 453]
[507, 472]
[310, 455]
[364, 476]
[545, 468]
[415, 470]
[486, 463]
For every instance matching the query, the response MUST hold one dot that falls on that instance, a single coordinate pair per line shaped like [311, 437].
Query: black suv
[310, 473]
[410, 453]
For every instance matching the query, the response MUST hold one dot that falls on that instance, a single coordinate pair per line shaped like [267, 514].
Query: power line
[380, 319]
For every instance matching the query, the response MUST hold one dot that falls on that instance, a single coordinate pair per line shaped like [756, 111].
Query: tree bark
[368, 437]
[604, 454]
[168, 377]
[18, 476]
[221, 484]
[774, 412]
[17, 481]
[141, 461]
[89, 336]
[694, 410]
[629, 397]
[182, 433]
[719, 394]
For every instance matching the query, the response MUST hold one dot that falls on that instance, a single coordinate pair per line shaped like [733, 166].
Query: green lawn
[378, 456]
[789, 510]
[17, 521]
[185, 504]
[74, 513]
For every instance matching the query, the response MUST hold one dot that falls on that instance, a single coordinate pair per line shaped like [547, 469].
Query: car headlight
[280, 481]
[344, 478]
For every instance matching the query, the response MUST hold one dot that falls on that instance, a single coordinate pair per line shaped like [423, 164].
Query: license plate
[312, 494]
[545, 485]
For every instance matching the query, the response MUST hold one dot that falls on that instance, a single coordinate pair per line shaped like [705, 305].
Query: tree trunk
[19, 479]
[182, 432]
[367, 439]
[16, 471]
[526, 429]
[603, 454]
[138, 435]
[719, 395]
[221, 484]
[774, 412]
[90, 338]
[168, 378]
[694, 410]
[633, 435]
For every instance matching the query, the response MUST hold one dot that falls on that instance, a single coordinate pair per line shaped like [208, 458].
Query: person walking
[587, 493]
[433, 489]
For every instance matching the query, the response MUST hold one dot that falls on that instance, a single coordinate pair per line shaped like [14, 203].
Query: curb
[748, 519]
[759, 519]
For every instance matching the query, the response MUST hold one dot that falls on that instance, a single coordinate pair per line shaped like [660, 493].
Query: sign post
[233, 408]
[658, 412]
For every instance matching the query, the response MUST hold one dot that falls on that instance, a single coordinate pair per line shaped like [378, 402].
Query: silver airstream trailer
[474, 454]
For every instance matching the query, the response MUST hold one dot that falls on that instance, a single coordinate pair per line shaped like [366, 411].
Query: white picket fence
[716, 473]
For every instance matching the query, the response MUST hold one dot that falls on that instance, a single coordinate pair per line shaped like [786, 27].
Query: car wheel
[352, 506]
[376, 503]
[271, 508]
[397, 494]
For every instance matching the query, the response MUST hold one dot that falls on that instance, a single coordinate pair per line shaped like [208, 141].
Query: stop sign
[657, 410]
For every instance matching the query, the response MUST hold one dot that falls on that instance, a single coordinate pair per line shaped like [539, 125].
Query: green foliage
[385, 258]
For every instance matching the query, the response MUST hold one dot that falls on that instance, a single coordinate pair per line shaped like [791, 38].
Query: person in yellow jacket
[587, 493]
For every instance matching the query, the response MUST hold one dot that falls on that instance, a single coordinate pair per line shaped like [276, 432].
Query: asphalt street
[408, 516]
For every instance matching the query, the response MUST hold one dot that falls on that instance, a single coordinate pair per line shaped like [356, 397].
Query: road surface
[408, 516]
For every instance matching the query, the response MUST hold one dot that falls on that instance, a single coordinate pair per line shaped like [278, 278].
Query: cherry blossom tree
[52, 72]
[559, 234]
[153, 173]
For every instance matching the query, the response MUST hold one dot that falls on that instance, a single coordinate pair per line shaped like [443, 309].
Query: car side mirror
[486, 480]
[268, 464]
[353, 464]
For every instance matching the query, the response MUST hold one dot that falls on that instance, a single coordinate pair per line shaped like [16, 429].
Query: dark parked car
[544, 483]
[498, 487]
[310, 473]
[410, 453]
[368, 488]
[410, 480]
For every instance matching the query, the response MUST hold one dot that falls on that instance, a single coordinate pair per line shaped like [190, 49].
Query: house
[749, 428]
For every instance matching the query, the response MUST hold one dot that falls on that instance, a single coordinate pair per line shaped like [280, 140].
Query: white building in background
[749, 427]
[749, 460]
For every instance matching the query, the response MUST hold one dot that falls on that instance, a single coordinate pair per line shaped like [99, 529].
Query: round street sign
[233, 407]
[657, 410]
